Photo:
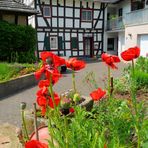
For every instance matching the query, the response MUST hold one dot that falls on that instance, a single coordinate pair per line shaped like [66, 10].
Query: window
[86, 15]
[110, 45]
[137, 4]
[74, 43]
[46, 11]
[53, 43]
[120, 11]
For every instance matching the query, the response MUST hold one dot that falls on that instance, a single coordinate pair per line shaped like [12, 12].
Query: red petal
[35, 144]
[44, 83]
[39, 73]
[75, 64]
[97, 94]
[56, 100]
[41, 100]
[71, 110]
[45, 55]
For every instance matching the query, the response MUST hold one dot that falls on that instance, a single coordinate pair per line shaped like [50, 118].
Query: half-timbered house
[14, 11]
[70, 27]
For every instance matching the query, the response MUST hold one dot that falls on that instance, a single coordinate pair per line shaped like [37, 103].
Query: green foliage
[9, 71]
[141, 79]
[122, 85]
[17, 43]
[110, 122]
[142, 64]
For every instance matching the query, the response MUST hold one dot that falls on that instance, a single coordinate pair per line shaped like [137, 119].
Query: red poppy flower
[57, 61]
[131, 53]
[56, 100]
[97, 94]
[71, 110]
[35, 144]
[39, 73]
[110, 60]
[75, 64]
[54, 73]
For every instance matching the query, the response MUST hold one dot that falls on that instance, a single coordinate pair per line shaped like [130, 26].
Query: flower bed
[112, 122]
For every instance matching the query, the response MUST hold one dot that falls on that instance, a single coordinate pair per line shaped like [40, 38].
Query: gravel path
[10, 106]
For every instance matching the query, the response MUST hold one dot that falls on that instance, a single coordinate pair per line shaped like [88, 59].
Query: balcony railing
[115, 24]
[137, 17]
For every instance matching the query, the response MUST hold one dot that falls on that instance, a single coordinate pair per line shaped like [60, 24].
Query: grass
[10, 71]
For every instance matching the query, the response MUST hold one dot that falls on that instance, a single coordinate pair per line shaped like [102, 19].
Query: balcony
[115, 24]
[137, 17]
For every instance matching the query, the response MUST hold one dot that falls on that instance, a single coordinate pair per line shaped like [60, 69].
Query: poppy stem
[73, 81]
[133, 68]
[51, 91]
[109, 80]
[134, 101]
[35, 122]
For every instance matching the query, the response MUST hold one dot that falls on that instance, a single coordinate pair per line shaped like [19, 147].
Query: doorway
[88, 46]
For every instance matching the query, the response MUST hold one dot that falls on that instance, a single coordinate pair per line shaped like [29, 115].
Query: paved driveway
[10, 106]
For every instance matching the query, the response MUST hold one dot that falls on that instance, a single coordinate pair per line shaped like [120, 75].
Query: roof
[15, 6]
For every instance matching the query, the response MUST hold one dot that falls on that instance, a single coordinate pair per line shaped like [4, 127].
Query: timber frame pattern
[64, 26]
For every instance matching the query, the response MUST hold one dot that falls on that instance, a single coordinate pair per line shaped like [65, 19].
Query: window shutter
[74, 42]
[46, 43]
[60, 43]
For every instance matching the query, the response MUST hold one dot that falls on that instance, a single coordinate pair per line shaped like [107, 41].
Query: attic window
[46, 11]
[137, 4]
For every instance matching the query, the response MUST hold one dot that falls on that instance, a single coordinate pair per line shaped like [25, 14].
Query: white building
[127, 26]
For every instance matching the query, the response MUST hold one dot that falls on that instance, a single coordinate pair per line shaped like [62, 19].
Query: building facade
[126, 26]
[15, 12]
[70, 27]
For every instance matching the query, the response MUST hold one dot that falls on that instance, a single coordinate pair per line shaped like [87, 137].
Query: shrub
[17, 43]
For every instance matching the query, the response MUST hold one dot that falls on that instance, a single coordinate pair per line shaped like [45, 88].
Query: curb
[16, 85]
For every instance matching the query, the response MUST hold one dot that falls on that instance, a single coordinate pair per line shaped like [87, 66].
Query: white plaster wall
[40, 46]
[54, 22]
[81, 46]
[76, 23]
[67, 36]
[40, 36]
[61, 22]
[68, 53]
[131, 34]
[77, 13]
[81, 53]
[121, 42]
[41, 22]
[86, 25]
[69, 22]
[54, 11]
[69, 12]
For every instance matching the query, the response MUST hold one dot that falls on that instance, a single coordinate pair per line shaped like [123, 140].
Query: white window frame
[86, 10]
[56, 45]
[44, 11]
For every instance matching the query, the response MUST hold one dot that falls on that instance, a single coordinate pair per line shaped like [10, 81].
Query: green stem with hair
[134, 101]
[109, 80]
[73, 81]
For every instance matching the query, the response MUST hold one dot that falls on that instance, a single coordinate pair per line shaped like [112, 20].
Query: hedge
[17, 43]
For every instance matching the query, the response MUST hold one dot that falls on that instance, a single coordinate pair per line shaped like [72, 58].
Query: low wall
[15, 85]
